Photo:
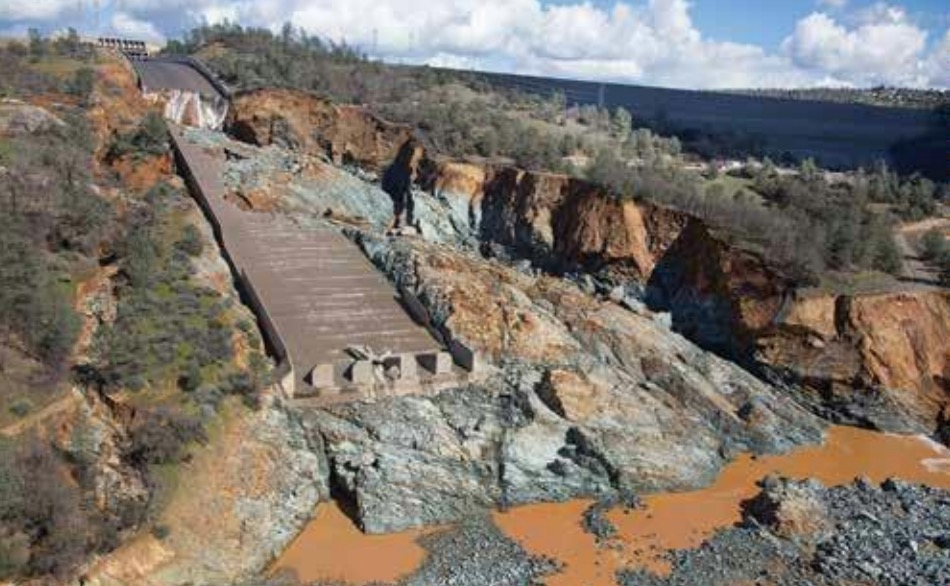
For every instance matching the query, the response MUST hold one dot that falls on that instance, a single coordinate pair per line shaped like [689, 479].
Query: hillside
[355, 322]
[801, 217]
[892, 97]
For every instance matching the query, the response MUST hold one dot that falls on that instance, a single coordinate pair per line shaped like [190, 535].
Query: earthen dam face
[336, 326]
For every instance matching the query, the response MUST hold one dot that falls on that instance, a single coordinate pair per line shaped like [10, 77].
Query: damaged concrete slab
[314, 291]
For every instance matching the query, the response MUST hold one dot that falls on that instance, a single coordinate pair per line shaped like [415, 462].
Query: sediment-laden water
[331, 547]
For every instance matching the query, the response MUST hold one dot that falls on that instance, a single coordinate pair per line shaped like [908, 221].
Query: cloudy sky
[680, 43]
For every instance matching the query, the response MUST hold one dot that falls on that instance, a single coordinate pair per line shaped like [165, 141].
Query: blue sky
[678, 43]
[767, 22]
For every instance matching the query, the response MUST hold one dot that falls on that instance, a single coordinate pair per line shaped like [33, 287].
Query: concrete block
[436, 362]
[287, 383]
[362, 372]
[464, 356]
[322, 376]
[406, 365]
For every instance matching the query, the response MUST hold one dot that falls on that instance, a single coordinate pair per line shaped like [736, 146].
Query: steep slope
[724, 297]
[306, 122]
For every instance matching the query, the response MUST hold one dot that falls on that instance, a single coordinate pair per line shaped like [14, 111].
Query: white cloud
[884, 48]
[17, 10]
[645, 41]
[124, 25]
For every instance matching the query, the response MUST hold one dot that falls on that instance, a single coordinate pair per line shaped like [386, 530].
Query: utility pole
[601, 91]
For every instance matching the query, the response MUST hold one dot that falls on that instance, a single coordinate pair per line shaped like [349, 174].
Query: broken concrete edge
[417, 311]
[426, 381]
[407, 365]
[465, 356]
[362, 372]
[413, 306]
[378, 392]
[284, 373]
[439, 362]
[323, 375]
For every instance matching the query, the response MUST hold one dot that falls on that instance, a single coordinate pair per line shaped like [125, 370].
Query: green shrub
[934, 245]
[160, 437]
[161, 532]
[149, 138]
[167, 328]
[32, 301]
[191, 242]
[21, 407]
[82, 83]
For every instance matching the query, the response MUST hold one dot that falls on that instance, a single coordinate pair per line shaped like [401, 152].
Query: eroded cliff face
[305, 122]
[720, 295]
[589, 398]
[872, 359]
[882, 359]
[724, 297]
[554, 220]
[558, 222]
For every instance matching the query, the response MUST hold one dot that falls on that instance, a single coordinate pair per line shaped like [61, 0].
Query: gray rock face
[592, 394]
[595, 400]
[413, 461]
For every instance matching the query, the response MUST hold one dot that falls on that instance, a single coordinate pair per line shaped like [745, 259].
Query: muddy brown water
[331, 547]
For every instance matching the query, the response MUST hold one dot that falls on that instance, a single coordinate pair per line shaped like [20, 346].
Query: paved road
[163, 75]
[318, 289]
[908, 238]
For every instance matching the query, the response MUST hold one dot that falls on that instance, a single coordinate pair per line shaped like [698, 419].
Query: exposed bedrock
[871, 359]
[590, 399]
[592, 396]
[799, 532]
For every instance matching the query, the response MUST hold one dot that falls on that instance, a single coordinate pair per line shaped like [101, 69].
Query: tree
[557, 106]
[933, 245]
[809, 170]
[82, 82]
[68, 45]
[675, 147]
[37, 44]
[622, 123]
[888, 257]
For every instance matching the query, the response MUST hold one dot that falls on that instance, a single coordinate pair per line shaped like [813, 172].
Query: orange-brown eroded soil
[331, 547]
[684, 520]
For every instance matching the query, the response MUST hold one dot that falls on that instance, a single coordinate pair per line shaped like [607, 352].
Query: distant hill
[837, 134]
[892, 97]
